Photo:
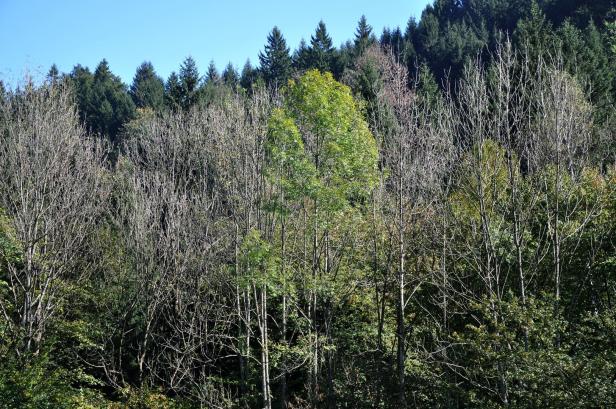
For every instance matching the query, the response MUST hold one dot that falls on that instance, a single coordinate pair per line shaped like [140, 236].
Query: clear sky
[36, 33]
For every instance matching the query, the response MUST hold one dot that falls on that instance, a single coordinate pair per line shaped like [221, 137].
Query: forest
[419, 218]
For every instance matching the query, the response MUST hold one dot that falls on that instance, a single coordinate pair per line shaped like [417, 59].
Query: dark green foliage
[53, 74]
[173, 92]
[363, 36]
[249, 75]
[147, 89]
[230, 76]
[321, 52]
[212, 77]
[301, 57]
[103, 100]
[189, 81]
[275, 59]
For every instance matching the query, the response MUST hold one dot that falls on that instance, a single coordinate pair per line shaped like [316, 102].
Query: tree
[275, 60]
[212, 77]
[301, 57]
[321, 50]
[173, 92]
[147, 89]
[342, 152]
[230, 76]
[54, 74]
[103, 101]
[54, 194]
[363, 36]
[190, 83]
[249, 75]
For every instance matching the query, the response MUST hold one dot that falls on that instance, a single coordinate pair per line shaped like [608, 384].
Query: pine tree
[301, 57]
[212, 77]
[321, 50]
[363, 36]
[595, 65]
[189, 81]
[249, 76]
[230, 76]
[147, 89]
[173, 92]
[54, 74]
[275, 59]
[103, 100]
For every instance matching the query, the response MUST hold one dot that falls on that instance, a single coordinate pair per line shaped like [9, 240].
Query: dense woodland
[421, 219]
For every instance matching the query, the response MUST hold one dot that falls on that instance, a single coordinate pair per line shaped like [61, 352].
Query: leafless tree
[52, 188]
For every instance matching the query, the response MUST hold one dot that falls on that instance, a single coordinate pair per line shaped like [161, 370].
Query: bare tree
[52, 188]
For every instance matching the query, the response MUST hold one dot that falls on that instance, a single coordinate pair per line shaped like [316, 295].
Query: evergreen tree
[301, 57]
[534, 34]
[189, 80]
[212, 77]
[53, 74]
[275, 59]
[321, 50]
[363, 36]
[147, 89]
[595, 65]
[113, 106]
[173, 92]
[249, 75]
[230, 76]
[103, 100]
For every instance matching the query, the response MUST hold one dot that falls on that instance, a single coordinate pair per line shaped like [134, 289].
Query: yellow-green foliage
[341, 148]
[483, 175]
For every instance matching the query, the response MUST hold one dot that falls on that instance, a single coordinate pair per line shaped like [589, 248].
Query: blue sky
[37, 33]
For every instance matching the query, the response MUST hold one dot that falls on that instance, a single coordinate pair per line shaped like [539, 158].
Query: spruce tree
[103, 100]
[173, 92]
[53, 74]
[230, 76]
[301, 57]
[275, 59]
[249, 76]
[212, 77]
[363, 36]
[321, 50]
[147, 89]
[189, 81]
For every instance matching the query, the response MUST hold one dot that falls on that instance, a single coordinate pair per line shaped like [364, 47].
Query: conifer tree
[321, 50]
[189, 80]
[363, 36]
[53, 74]
[249, 75]
[301, 56]
[230, 76]
[212, 77]
[173, 92]
[103, 100]
[275, 59]
[147, 89]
